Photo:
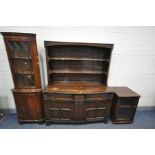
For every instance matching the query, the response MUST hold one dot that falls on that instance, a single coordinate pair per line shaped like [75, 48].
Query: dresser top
[76, 88]
[88, 88]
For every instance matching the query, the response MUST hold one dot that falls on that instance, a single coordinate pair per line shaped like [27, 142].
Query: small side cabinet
[29, 106]
[124, 105]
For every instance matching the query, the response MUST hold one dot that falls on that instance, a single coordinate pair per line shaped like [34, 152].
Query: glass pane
[126, 113]
[132, 101]
[24, 80]
[22, 66]
[19, 49]
[21, 62]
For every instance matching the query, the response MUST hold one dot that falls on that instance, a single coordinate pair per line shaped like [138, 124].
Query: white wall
[132, 65]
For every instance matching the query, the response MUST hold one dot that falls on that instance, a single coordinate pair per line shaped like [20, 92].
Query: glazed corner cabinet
[24, 63]
[77, 90]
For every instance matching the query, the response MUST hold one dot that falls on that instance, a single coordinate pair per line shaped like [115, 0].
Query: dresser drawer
[97, 104]
[58, 104]
[99, 97]
[57, 97]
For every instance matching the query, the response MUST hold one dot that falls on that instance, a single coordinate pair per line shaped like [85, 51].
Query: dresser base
[49, 122]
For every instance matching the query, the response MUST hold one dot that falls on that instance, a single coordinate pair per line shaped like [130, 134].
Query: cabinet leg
[41, 122]
[20, 122]
[47, 123]
[106, 122]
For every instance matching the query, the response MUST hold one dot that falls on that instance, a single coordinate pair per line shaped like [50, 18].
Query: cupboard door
[67, 111]
[126, 114]
[29, 106]
[24, 81]
[22, 66]
[51, 109]
[95, 111]
[58, 110]
[21, 63]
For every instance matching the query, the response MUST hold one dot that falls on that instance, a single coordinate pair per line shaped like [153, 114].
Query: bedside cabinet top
[123, 92]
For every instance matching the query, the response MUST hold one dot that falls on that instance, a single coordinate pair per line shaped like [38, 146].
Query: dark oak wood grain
[77, 90]
[77, 79]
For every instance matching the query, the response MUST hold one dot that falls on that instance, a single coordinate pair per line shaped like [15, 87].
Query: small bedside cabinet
[124, 105]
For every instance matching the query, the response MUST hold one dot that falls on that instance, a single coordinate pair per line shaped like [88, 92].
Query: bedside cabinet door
[123, 109]
[126, 114]
[127, 108]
